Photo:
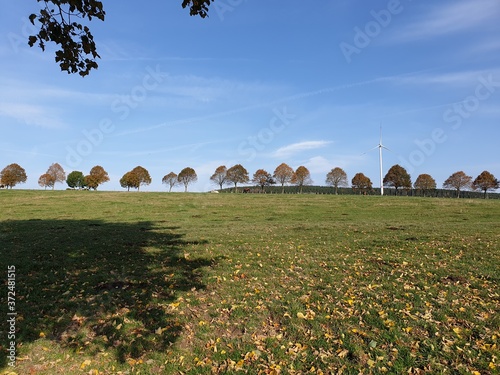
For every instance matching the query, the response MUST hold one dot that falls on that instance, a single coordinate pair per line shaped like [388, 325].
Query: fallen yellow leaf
[343, 353]
[85, 363]
[301, 315]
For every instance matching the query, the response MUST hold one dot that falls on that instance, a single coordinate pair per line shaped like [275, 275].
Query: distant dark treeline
[435, 193]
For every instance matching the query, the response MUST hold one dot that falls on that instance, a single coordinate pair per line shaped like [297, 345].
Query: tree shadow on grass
[94, 285]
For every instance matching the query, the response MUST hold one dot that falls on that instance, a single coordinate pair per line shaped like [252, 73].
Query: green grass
[139, 283]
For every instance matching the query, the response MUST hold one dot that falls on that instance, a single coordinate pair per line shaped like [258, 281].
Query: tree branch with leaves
[60, 22]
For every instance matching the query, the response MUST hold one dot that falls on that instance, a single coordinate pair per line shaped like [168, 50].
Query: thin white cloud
[318, 164]
[295, 148]
[485, 46]
[457, 16]
[469, 78]
[34, 115]
[323, 165]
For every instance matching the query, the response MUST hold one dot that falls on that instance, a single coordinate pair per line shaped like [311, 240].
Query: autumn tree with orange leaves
[135, 178]
[46, 181]
[220, 176]
[262, 178]
[284, 175]
[425, 182]
[458, 181]
[186, 177]
[301, 177]
[361, 183]
[57, 173]
[336, 177]
[170, 180]
[397, 177]
[484, 182]
[237, 174]
[96, 177]
[12, 175]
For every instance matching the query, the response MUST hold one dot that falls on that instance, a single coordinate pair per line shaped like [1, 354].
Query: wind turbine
[380, 146]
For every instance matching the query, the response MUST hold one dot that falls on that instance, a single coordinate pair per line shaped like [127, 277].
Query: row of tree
[397, 177]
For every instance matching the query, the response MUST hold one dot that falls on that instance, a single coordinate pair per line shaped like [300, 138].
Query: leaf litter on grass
[295, 295]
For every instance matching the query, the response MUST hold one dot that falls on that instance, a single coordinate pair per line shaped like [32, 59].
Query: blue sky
[308, 84]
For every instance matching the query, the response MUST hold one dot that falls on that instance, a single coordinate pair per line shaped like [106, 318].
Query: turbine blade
[364, 153]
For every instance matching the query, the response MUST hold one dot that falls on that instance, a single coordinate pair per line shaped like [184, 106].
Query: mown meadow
[147, 283]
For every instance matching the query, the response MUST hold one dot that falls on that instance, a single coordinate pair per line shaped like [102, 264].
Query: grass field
[140, 283]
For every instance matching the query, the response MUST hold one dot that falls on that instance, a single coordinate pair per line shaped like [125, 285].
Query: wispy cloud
[34, 115]
[457, 16]
[296, 148]
[448, 79]
[322, 165]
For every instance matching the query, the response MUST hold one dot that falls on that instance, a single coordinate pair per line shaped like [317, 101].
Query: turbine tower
[380, 147]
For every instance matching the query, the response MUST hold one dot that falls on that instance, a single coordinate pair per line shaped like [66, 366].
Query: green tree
[220, 176]
[336, 177]
[484, 182]
[361, 183]
[170, 180]
[284, 175]
[262, 178]
[75, 180]
[458, 181]
[12, 175]
[237, 174]
[301, 177]
[397, 177]
[96, 177]
[57, 173]
[186, 177]
[59, 23]
[425, 182]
